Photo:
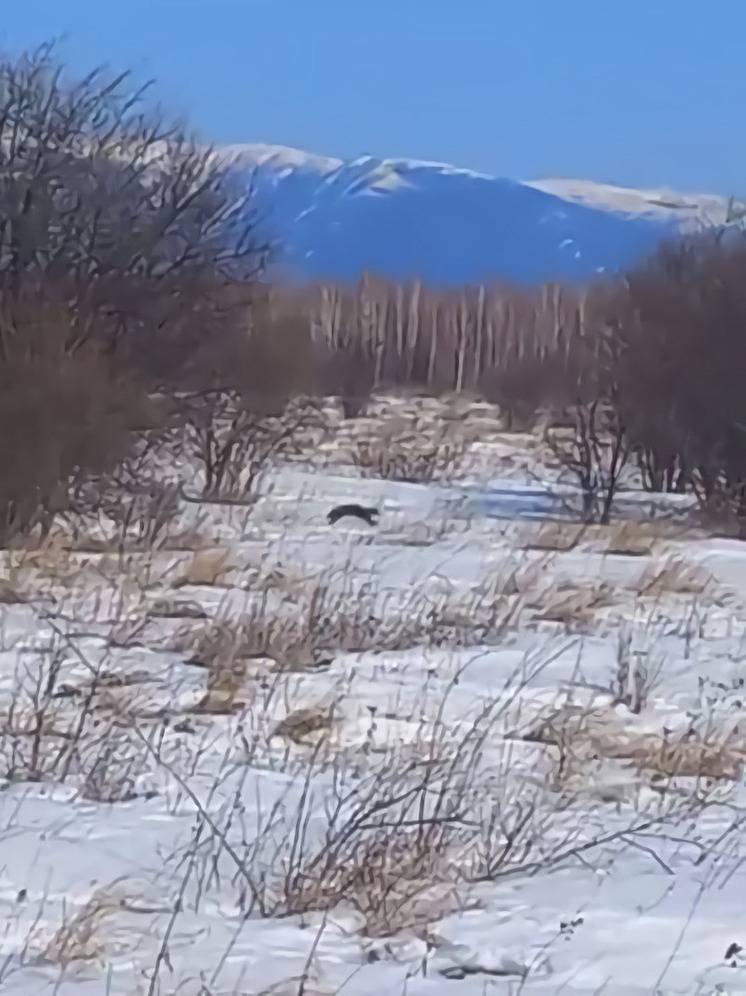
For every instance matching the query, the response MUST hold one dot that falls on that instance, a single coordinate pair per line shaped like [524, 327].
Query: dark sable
[368, 515]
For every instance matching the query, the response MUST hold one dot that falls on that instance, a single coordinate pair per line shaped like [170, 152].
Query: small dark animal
[369, 515]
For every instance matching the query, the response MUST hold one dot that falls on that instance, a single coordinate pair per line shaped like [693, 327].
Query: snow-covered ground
[463, 751]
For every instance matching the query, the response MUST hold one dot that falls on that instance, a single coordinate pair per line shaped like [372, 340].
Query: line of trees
[644, 369]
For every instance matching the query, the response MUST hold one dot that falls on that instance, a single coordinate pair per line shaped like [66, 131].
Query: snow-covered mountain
[400, 218]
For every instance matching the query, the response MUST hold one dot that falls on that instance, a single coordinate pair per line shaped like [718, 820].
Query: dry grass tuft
[220, 643]
[299, 724]
[226, 691]
[674, 575]
[559, 537]
[51, 559]
[12, 593]
[207, 567]
[630, 539]
[685, 759]
[572, 605]
[412, 451]
[83, 936]
[584, 735]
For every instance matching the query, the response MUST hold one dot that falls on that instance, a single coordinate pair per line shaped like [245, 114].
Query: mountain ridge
[333, 219]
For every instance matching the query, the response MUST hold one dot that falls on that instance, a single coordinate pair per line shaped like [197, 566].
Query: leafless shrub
[143, 515]
[678, 320]
[87, 172]
[235, 446]
[54, 731]
[594, 454]
[101, 289]
[384, 845]
[35, 735]
[402, 832]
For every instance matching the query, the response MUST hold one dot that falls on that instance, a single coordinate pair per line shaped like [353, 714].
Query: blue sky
[631, 91]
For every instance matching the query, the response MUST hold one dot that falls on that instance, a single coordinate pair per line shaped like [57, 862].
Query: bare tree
[595, 453]
[148, 236]
[679, 325]
[128, 260]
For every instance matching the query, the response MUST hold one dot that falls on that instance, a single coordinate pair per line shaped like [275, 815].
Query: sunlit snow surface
[642, 909]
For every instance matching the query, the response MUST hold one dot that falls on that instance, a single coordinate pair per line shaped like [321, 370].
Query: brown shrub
[146, 234]
[679, 324]
[63, 418]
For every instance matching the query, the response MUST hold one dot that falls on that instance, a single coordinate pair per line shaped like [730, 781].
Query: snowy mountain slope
[334, 219]
[686, 210]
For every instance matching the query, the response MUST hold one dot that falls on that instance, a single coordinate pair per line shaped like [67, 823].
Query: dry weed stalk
[635, 675]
